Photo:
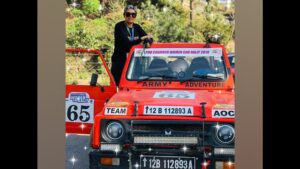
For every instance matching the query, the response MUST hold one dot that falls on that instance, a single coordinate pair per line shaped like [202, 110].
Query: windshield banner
[189, 52]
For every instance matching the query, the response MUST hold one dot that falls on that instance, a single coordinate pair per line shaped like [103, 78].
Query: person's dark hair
[129, 7]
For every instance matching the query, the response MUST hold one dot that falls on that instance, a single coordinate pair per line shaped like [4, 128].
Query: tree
[216, 23]
[166, 20]
[191, 12]
[90, 6]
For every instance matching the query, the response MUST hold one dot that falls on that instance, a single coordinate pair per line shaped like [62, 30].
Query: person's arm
[143, 34]
[141, 31]
[122, 36]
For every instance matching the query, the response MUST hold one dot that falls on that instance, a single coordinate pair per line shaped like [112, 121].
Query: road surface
[77, 149]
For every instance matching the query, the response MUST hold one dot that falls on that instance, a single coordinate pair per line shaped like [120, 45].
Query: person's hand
[144, 37]
[150, 36]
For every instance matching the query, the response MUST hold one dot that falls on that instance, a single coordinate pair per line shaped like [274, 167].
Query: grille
[166, 133]
[165, 140]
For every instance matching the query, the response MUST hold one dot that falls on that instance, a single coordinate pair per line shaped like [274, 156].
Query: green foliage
[87, 33]
[76, 12]
[166, 20]
[216, 23]
[90, 6]
[79, 69]
[172, 29]
[74, 32]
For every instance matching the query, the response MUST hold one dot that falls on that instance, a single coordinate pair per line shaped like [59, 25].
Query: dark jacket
[122, 43]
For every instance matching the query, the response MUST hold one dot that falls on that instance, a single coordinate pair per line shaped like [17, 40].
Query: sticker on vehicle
[174, 94]
[79, 108]
[117, 104]
[115, 111]
[169, 110]
[231, 106]
[223, 111]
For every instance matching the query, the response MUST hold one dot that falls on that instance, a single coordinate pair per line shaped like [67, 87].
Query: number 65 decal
[79, 112]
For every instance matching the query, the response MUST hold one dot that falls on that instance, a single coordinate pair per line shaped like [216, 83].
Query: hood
[173, 103]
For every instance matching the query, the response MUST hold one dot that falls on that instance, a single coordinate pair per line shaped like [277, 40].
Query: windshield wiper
[206, 76]
[157, 75]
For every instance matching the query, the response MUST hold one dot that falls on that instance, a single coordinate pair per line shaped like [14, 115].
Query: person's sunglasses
[127, 14]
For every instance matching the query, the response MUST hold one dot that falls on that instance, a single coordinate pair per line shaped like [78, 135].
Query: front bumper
[145, 137]
[128, 160]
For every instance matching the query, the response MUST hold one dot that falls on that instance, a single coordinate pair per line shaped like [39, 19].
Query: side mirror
[229, 70]
[94, 79]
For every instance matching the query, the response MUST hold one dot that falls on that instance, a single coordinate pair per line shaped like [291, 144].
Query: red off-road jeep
[174, 109]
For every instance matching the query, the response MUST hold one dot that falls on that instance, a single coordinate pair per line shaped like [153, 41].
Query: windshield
[177, 64]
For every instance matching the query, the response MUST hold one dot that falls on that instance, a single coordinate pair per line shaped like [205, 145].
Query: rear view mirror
[94, 79]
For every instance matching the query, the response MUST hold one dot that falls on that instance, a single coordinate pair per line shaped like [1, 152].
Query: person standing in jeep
[127, 34]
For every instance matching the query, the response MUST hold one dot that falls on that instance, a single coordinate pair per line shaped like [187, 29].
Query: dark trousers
[116, 70]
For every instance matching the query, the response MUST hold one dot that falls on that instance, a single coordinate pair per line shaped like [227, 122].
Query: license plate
[167, 162]
[169, 110]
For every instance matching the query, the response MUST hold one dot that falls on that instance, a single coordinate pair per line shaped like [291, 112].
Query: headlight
[225, 134]
[114, 130]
